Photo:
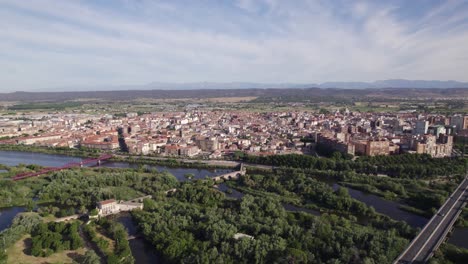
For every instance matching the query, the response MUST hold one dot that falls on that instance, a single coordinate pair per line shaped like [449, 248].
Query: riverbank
[143, 252]
[369, 189]
[79, 153]
[121, 157]
[170, 162]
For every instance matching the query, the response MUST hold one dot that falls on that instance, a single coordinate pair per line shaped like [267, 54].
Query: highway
[421, 249]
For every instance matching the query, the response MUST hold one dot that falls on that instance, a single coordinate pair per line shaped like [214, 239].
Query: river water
[7, 215]
[142, 251]
[13, 158]
[386, 207]
[459, 237]
[390, 208]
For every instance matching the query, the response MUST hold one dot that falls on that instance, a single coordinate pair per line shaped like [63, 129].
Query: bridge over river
[96, 161]
[421, 249]
[231, 175]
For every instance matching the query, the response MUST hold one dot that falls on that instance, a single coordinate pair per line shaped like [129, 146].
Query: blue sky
[71, 43]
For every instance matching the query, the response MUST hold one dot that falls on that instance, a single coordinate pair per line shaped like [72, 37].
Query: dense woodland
[192, 229]
[48, 238]
[309, 192]
[85, 187]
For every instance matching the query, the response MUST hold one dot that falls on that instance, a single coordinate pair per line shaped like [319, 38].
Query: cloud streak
[49, 43]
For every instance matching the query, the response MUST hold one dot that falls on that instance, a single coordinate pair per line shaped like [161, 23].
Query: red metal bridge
[96, 161]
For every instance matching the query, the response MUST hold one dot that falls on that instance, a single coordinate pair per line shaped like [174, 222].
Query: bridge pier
[98, 162]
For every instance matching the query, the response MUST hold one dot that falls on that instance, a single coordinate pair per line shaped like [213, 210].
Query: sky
[65, 44]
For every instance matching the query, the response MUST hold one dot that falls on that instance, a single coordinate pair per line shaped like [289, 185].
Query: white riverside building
[111, 206]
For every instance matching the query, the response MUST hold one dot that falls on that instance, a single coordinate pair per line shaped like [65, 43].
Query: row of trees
[414, 166]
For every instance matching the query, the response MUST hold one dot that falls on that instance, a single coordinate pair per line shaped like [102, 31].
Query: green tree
[93, 212]
[91, 257]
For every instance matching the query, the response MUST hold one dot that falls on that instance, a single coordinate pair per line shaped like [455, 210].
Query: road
[434, 233]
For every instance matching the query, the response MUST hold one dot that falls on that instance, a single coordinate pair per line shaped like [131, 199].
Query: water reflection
[229, 192]
[7, 215]
[142, 251]
[459, 237]
[386, 207]
[13, 158]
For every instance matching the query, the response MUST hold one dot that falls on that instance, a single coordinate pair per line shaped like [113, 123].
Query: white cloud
[272, 41]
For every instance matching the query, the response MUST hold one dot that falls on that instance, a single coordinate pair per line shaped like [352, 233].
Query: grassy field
[19, 254]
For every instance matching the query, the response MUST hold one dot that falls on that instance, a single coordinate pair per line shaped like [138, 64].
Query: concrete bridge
[423, 246]
[231, 175]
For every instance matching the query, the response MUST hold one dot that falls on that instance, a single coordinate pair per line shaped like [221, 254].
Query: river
[459, 237]
[142, 251]
[13, 158]
[386, 207]
[7, 215]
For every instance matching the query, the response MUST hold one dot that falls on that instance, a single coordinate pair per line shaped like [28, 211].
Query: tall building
[436, 130]
[421, 127]
[436, 147]
[207, 143]
[459, 122]
[377, 147]
[334, 144]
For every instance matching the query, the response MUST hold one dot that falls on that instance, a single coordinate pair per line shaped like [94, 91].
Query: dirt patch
[21, 250]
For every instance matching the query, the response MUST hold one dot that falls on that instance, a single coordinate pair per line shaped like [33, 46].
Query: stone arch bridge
[231, 175]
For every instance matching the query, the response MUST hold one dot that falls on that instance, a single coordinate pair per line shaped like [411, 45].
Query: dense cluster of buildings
[219, 133]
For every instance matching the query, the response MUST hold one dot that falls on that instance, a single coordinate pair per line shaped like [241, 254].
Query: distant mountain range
[394, 83]
[264, 95]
